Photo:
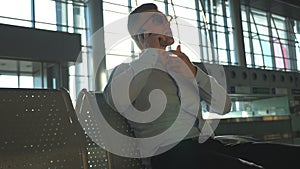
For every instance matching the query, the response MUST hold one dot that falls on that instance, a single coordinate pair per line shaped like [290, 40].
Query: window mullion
[33, 13]
[258, 36]
[199, 27]
[279, 41]
[271, 40]
[226, 32]
[248, 13]
[291, 43]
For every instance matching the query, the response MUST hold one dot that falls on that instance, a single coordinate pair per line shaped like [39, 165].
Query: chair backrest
[39, 130]
[97, 155]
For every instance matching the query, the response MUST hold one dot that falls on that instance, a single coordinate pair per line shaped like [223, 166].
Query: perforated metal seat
[39, 130]
[99, 157]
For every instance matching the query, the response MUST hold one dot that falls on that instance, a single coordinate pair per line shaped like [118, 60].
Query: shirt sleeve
[212, 93]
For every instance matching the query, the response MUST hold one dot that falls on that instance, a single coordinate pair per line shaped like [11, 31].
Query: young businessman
[183, 86]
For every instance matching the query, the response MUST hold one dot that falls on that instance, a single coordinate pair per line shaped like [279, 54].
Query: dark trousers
[213, 154]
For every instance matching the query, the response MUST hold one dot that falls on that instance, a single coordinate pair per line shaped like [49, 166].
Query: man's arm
[213, 93]
[209, 89]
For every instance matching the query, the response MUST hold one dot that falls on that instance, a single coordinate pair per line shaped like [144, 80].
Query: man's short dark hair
[140, 9]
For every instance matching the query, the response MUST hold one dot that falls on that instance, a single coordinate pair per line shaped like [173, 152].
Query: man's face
[155, 22]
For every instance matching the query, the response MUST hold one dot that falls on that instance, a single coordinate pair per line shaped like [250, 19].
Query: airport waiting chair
[97, 156]
[39, 130]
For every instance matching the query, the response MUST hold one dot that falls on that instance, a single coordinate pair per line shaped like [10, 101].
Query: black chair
[97, 155]
[39, 130]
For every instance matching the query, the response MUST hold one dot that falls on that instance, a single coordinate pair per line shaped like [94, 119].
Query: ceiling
[288, 8]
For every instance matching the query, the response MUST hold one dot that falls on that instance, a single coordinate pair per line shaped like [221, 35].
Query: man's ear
[136, 39]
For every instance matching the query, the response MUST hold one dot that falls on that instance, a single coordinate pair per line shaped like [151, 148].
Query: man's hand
[182, 66]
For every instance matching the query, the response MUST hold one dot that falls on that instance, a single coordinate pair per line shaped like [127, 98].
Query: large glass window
[220, 30]
[116, 53]
[67, 16]
[269, 40]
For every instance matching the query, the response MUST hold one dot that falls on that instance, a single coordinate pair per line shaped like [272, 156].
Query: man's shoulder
[122, 66]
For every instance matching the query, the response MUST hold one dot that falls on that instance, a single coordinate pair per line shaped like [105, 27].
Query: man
[132, 91]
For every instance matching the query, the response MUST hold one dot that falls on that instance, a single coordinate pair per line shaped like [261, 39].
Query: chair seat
[235, 139]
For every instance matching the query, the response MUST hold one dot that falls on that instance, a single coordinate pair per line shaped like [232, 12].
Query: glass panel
[120, 2]
[218, 7]
[279, 63]
[259, 17]
[70, 18]
[183, 12]
[79, 76]
[45, 26]
[62, 16]
[222, 56]
[245, 26]
[23, 74]
[113, 17]
[248, 59]
[219, 20]
[192, 38]
[297, 44]
[114, 60]
[221, 40]
[8, 81]
[246, 42]
[13, 14]
[263, 30]
[231, 42]
[277, 49]
[26, 81]
[15, 22]
[78, 17]
[159, 3]
[268, 62]
[116, 53]
[264, 37]
[286, 58]
[189, 4]
[121, 48]
[233, 58]
[45, 11]
[258, 60]
[243, 13]
[256, 46]
[277, 106]
[253, 28]
[20, 9]
[279, 21]
[266, 47]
